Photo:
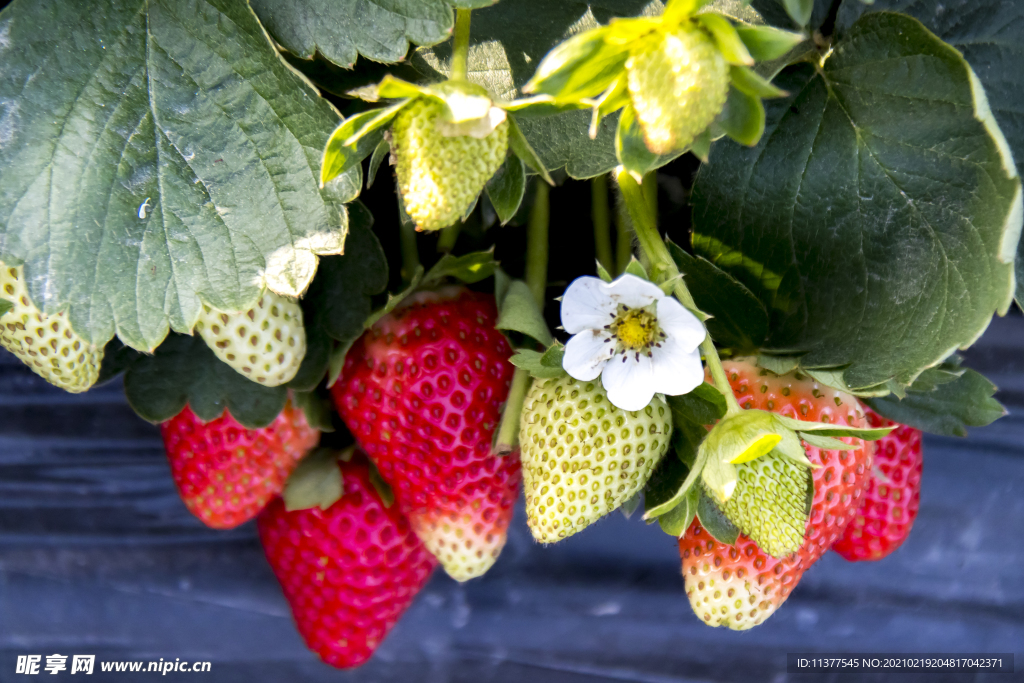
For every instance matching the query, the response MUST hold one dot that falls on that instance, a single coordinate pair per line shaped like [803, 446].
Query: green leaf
[799, 10]
[990, 35]
[468, 268]
[340, 30]
[184, 370]
[506, 188]
[705, 405]
[780, 365]
[157, 155]
[316, 482]
[738, 320]
[340, 299]
[715, 521]
[519, 313]
[355, 139]
[876, 217]
[521, 147]
[949, 409]
[767, 42]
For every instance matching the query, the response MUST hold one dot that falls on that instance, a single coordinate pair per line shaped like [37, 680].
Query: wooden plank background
[99, 556]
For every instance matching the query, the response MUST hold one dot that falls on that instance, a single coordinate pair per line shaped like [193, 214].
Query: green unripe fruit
[45, 343]
[440, 176]
[265, 344]
[583, 457]
[678, 83]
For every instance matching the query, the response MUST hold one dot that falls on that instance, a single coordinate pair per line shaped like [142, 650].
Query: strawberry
[583, 457]
[45, 343]
[741, 585]
[226, 473]
[349, 571]
[441, 175]
[265, 343]
[678, 82]
[891, 498]
[422, 392]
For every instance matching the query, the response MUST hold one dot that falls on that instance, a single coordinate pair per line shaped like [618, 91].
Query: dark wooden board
[98, 556]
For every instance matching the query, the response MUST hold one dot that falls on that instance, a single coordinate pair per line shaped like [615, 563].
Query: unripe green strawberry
[769, 501]
[583, 457]
[45, 343]
[440, 176]
[266, 343]
[678, 83]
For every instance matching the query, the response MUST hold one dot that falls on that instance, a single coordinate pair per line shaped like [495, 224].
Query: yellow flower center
[635, 329]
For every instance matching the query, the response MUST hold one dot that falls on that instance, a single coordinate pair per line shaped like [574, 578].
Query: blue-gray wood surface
[99, 556]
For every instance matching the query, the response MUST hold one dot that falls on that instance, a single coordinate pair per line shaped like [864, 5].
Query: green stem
[602, 222]
[507, 437]
[410, 252]
[623, 236]
[537, 245]
[460, 45]
[664, 269]
[448, 237]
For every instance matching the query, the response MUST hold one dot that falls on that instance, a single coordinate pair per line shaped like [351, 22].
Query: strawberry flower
[640, 341]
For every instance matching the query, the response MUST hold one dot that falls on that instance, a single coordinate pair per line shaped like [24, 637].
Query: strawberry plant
[716, 256]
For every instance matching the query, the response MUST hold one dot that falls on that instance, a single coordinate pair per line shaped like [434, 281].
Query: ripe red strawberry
[422, 392]
[740, 586]
[226, 473]
[891, 500]
[348, 572]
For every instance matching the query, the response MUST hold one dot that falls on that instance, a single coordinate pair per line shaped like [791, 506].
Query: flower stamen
[635, 329]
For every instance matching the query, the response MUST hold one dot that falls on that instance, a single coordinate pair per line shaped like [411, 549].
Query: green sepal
[629, 507]
[384, 490]
[317, 408]
[519, 145]
[791, 448]
[799, 10]
[391, 88]
[714, 520]
[630, 147]
[614, 98]
[701, 146]
[5, 306]
[676, 521]
[826, 429]
[635, 268]
[468, 268]
[750, 82]
[603, 273]
[827, 443]
[355, 139]
[518, 312]
[780, 365]
[666, 492]
[729, 43]
[542, 365]
[743, 436]
[679, 10]
[382, 150]
[765, 43]
[507, 187]
[316, 482]
[336, 360]
[720, 478]
[743, 117]
[833, 378]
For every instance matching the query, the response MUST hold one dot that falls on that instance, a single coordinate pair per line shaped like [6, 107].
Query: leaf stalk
[460, 45]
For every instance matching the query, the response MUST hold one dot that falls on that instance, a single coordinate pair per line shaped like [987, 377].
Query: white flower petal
[679, 324]
[633, 291]
[586, 305]
[675, 370]
[585, 355]
[630, 384]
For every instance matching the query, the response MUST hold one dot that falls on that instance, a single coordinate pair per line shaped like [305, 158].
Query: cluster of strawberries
[422, 393]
